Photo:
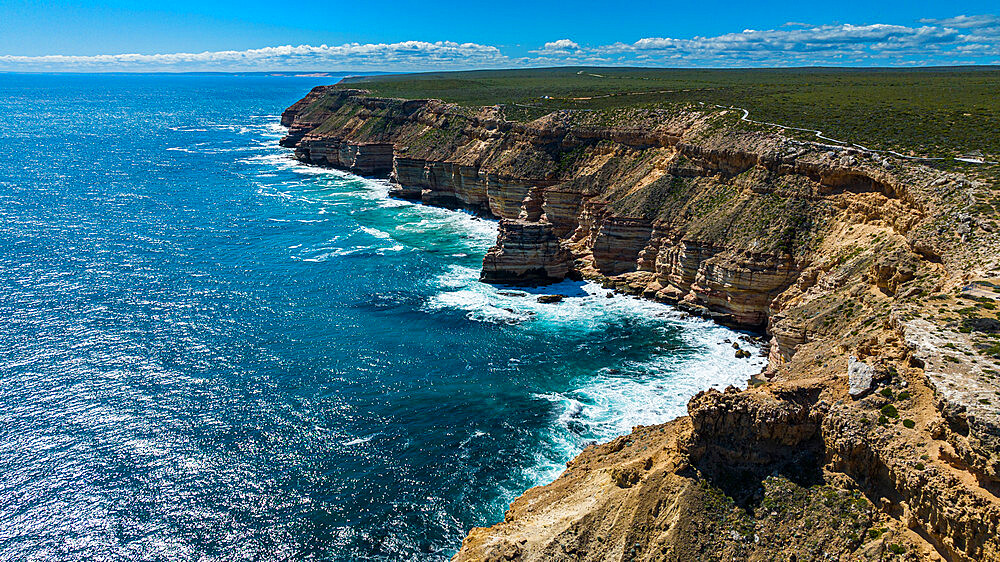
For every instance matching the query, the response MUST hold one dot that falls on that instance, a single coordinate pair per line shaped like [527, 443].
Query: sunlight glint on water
[214, 352]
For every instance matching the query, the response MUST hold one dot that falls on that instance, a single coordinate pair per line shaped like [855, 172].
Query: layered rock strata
[526, 253]
[843, 257]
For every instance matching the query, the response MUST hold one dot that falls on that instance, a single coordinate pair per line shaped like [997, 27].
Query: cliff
[873, 432]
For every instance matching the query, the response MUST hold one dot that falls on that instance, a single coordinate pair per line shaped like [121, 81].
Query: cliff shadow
[743, 438]
[745, 485]
[565, 288]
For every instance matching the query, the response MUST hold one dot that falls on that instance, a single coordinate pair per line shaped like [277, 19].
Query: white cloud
[839, 38]
[800, 44]
[958, 40]
[560, 45]
[984, 20]
[356, 56]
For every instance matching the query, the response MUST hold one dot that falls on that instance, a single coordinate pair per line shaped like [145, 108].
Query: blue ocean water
[212, 352]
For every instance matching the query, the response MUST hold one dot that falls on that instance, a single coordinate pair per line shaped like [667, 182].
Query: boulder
[860, 377]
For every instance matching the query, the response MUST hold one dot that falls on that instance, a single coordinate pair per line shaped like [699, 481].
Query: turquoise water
[212, 352]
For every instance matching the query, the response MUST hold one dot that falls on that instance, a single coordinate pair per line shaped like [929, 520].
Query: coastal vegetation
[942, 111]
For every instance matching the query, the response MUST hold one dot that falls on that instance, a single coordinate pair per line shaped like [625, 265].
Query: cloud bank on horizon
[958, 40]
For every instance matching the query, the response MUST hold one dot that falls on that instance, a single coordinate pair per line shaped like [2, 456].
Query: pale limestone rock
[859, 376]
[526, 253]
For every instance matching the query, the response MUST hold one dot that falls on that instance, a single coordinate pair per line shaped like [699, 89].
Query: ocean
[212, 352]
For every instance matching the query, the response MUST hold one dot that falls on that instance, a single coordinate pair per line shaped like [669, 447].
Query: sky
[384, 35]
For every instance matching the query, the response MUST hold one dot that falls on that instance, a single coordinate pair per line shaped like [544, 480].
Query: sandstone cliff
[833, 252]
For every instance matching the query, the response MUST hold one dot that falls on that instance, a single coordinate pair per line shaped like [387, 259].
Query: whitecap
[376, 232]
[361, 440]
[602, 405]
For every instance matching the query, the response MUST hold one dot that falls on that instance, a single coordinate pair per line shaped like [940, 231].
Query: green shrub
[909, 424]
[890, 411]
[903, 395]
[887, 392]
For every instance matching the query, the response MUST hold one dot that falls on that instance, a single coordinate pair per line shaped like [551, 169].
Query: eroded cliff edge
[874, 431]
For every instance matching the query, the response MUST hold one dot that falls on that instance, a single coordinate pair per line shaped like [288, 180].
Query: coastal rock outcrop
[361, 158]
[840, 255]
[520, 171]
[526, 253]
[753, 431]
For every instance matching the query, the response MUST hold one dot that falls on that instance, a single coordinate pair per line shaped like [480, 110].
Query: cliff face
[832, 252]
[527, 252]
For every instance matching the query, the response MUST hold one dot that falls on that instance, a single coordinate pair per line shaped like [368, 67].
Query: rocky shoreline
[833, 253]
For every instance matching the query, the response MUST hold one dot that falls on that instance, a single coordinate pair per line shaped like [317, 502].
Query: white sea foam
[606, 404]
[270, 160]
[602, 405]
[330, 253]
[197, 149]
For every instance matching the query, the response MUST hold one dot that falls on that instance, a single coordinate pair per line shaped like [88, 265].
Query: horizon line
[307, 73]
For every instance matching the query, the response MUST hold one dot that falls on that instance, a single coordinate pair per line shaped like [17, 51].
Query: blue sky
[393, 35]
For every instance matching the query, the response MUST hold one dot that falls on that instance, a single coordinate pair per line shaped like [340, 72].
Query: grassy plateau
[935, 112]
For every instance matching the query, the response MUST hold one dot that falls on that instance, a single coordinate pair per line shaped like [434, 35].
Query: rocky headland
[874, 431]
